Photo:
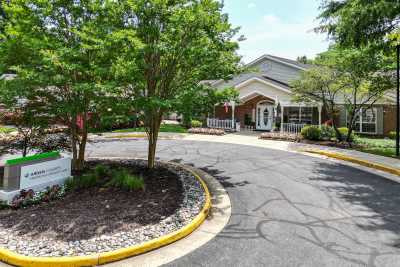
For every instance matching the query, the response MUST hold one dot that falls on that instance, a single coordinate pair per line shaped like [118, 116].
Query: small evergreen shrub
[392, 135]
[311, 133]
[123, 179]
[344, 131]
[196, 124]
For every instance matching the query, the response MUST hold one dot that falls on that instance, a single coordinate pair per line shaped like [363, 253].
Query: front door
[264, 117]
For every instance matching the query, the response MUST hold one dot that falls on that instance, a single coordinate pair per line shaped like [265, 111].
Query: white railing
[220, 124]
[292, 128]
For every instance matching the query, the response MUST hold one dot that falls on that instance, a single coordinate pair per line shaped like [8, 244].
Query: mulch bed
[98, 211]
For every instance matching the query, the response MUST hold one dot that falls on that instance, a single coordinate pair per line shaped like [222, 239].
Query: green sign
[16, 161]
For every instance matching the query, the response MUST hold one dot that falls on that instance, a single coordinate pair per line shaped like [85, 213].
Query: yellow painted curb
[102, 258]
[362, 162]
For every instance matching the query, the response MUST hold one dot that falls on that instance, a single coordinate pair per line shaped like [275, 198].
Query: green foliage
[196, 124]
[384, 147]
[85, 181]
[123, 179]
[327, 132]
[168, 53]
[392, 135]
[200, 101]
[63, 59]
[344, 131]
[359, 22]
[6, 130]
[311, 133]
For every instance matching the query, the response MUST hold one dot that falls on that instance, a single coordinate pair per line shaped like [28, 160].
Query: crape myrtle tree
[65, 48]
[181, 42]
[199, 101]
[319, 84]
[354, 77]
[30, 113]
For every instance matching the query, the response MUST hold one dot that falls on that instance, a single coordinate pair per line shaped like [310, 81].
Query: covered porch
[262, 113]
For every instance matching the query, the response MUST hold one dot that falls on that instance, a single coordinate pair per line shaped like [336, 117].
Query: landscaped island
[107, 206]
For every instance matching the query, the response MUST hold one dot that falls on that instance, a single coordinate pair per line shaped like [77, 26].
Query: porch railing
[292, 128]
[220, 124]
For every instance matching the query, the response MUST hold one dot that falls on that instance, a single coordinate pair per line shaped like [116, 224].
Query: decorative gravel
[37, 244]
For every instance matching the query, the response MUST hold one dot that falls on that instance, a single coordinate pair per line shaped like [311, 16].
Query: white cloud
[251, 5]
[273, 35]
[270, 19]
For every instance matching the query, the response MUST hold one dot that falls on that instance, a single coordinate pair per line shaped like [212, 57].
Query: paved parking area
[288, 209]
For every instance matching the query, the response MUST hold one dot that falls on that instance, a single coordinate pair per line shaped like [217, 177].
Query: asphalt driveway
[287, 209]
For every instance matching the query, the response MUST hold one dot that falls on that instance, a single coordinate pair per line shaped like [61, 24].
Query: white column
[281, 118]
[319, 115]
[233, 113]
[299, 114]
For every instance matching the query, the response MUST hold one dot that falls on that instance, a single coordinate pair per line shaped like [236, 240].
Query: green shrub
[196, 124]
[6, 130]
[123, 179]
[344, 131]
[327, 132]
[392, 135]
[100, 171]
[82, 182]
[311, 133]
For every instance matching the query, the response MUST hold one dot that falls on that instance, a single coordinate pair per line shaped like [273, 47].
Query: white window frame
[375, 110]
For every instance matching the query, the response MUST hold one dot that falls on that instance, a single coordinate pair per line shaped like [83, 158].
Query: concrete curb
[102, 258]
[362, 162]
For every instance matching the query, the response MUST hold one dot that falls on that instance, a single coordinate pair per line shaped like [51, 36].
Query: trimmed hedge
[311, 133]
[196, 124]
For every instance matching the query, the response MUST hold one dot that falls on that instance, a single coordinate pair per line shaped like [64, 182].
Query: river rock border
[193, 210]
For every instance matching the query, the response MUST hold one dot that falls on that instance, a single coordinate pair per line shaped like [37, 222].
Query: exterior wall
[385, 118]
[389, 119]
[241, 110]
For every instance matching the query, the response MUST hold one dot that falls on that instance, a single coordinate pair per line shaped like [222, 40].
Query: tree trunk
[74, 143]
[82, 145]
[154, 129]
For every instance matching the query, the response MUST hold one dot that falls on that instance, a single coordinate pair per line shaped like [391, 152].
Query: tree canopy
[176, 44]
[360, 22]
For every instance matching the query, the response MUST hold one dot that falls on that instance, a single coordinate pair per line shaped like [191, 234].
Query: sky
[277, 27]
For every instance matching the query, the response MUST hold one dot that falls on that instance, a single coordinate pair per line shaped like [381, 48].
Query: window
[365, 121]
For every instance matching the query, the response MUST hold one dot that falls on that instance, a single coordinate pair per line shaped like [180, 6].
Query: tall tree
[64, 48]
[319, 85]
[355, 78]
[360, 22]
[181, 42]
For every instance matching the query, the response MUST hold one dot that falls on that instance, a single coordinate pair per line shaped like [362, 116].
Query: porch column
[233, 114]
[299, 114]
[281, 118]
[319, 115]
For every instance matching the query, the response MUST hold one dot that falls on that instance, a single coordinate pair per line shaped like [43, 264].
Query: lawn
[165, 128]
[383, 147]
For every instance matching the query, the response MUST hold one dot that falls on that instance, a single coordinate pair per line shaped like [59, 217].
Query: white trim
[375, 110]
[276, 60]
[255, 93]
[256, 79]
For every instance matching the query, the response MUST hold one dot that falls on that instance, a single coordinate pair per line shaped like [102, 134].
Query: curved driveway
[287, 209]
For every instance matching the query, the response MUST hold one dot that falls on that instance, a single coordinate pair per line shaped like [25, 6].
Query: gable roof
[281, 79]
[285, 61]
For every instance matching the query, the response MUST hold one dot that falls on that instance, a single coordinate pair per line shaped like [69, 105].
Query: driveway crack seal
[107, 257]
